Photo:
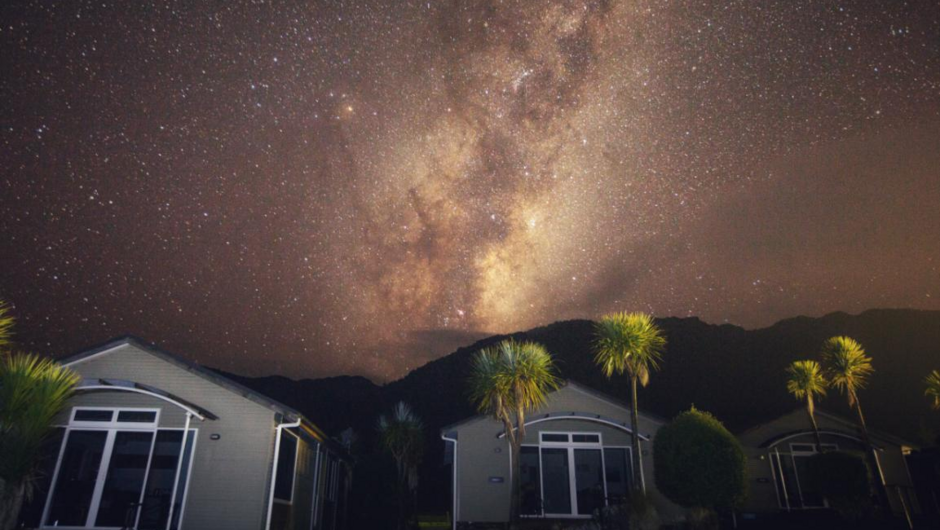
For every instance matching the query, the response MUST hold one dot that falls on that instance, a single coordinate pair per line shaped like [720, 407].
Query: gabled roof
[578, 387]
[289, 414]
[849, 425]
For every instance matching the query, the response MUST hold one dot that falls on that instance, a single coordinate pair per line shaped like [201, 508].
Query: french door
[116, 469]
[572, 475]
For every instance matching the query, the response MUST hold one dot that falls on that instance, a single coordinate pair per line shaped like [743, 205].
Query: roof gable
[842, 423]
[114, 346]
[568, 386]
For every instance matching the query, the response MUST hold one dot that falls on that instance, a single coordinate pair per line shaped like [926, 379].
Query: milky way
[318, 188]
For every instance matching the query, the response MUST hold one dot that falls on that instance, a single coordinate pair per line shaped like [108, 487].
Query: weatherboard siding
[230, 476]
[482, 455]
[762, 495]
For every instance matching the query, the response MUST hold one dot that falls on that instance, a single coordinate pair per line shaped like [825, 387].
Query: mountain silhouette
[734, 373]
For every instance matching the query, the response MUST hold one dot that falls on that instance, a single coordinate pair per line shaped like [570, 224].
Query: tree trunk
[512, 436]
[635, 453]
[873, 462]
[514, 484]
[812, 419]
[11, 501]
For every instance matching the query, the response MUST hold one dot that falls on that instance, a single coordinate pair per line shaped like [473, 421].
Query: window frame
[293, 482]
[112, 428]
[570, 445]
[113, 423]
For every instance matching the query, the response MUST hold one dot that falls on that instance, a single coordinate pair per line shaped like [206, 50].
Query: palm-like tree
[402, 435]
[507, 381]
[848, 369]
[33, 390]
[805, 381]
[630, 343]
[933, 388]
[6, 325]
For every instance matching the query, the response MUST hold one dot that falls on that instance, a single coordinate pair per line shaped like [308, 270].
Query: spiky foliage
[512, 378]
[933, 388]
[6, 325]
[847, 366]
[848, 369]
[33, 390]
[402, 435]
[507, 381]
[630, 343]
[805, 381]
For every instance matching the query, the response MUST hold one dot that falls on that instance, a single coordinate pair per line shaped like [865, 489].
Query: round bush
[698, 463]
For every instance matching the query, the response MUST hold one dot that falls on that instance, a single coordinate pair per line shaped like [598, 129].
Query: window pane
[125, 478]
[557, 489]
[93, 415]
[554, 437]
[181, 481]
[137, 416]
[785, 473]
[156, 506]
[812, 498]
[589, 480]
[76, 481]
[284, 484]
[49, 455]
[530, 482]
[585, 438]
[617, 468]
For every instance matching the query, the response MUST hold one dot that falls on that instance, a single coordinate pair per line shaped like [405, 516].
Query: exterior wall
[228, 486]
[298, 515]
[762, 497]
[481, 454]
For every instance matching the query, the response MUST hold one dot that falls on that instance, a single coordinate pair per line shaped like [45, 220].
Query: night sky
[325, 187]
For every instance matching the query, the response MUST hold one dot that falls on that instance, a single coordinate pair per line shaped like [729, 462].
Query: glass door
[589, 480]
[124, 481]
[117, 470]
[155, 509]
[556, 487]
[78, 474]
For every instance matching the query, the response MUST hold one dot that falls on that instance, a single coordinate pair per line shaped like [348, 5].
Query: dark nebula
[325, 187]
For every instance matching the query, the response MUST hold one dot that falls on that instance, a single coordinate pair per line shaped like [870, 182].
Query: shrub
[842, 478]
[637, 513]
[698, 463]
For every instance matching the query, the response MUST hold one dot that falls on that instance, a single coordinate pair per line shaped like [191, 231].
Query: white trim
[96, 355]
[794, 454]
[456, 502]
[810, 432]
[570, 447]
[783, 481]
[111, 430]
[277, 452]
[316, 486]
[579, 417]
[55, 476]
[179, 467]
[103, 466]
[293, 482]
[189, 474]
[116, 388]
[114, 423]
[143, 487]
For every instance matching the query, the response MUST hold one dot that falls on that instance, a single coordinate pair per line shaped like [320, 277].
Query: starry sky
[317, 187]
